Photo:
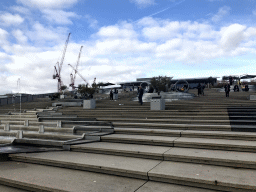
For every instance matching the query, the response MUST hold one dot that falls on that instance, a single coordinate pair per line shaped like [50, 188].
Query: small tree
[160, 83]
[86, 91]
[63, 88]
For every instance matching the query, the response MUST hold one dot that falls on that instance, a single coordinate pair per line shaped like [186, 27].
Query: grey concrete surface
[214, 157]
[220, 134]
[165, 132]
[58, 179]
[236, 145]
[116, 165]
[10, 189]
[152, 186]
[175, 126]
[169, 120]
[155, 140]
[212, 177]
[144, 151]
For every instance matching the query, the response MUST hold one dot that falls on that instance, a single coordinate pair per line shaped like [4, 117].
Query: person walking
[140, 95]
[202, 89]
[227, 89]
[111, 94]
[199, 89]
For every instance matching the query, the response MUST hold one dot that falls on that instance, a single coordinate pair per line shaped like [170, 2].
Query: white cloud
[9, 19]
[41, 33]
[92, 22]
[58, 16]
[48, 4]
[115, 31]
[172, 29]
[143, 3]
[20, 9]
[223, 11]
[3, 37]
[20, 37]
[232, 36]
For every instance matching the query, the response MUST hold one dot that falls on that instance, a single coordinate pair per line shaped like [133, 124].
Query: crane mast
[58, 66]
[73, 76]
[78, 73]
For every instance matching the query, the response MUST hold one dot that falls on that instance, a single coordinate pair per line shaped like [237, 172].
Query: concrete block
[89, 104]
[26, 123]
[252, 97]
[62, 96]
[157, 104]
[19, 134]
[7, 127]
[115, 96]
[41, 129]
[67, 104]
[66, 147]
[59, 124]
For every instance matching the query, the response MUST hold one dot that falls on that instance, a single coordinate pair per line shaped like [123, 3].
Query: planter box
[157, 104]
[252, 97]
[115, 96]
[89, 104]
[62, 96]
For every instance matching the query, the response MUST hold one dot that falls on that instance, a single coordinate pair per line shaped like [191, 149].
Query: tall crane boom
[58, 66]
[73, 76]
[78, 73]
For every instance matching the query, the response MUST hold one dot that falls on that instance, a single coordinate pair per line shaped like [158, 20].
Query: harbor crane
[58, 66]
[73, 75]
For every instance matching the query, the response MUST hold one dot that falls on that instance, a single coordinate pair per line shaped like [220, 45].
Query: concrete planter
[62, 96]
[115, 96]
[89, 104]
[157, 104]
[252, 97]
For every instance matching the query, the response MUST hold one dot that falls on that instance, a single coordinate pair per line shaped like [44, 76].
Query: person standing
[111, 94]
[140, 95]
[202, 89]
[227, 89]
[199, 89]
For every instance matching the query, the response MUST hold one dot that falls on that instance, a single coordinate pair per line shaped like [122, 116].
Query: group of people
[140, 94]
[111, 94]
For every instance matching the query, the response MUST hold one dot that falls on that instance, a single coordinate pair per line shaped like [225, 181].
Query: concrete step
[182, 121]
[173, 121]
[216, 144]
[247, 136]
[6, 140]
[32, 123]
[199, 156]
[200, 143]
[140, 139]
[174, 126]
[206, 176]
[23, 115]
[10, 189]
[64, 118]
[17, 119]
[61, 179]
[36, 129]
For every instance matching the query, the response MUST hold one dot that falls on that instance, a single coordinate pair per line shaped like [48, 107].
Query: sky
[123, 40]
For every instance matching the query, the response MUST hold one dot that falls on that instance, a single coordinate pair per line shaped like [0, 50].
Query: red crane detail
[58, 66]
[73, 76]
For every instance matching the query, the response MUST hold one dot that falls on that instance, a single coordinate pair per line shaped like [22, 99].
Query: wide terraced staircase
[202, 145]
